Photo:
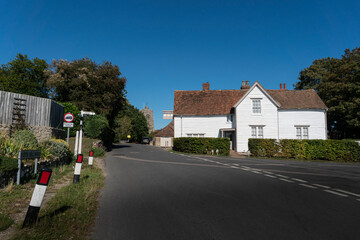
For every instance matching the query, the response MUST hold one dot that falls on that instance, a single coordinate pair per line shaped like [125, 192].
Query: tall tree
[337, 81]
[131, 121]
[89, 86]
[25, 76]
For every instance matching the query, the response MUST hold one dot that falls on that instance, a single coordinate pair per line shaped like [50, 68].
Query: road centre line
[282, 176]
[286, 180]
[336, 193]
[298, 180]
[270, 176]
[322, 186]
[307, 185]
[346, 192]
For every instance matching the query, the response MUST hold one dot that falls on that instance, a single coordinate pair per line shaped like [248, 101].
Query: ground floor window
[195, 134]
[302, 132]
[257, 131]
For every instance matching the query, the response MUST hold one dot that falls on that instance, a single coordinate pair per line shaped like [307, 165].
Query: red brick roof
[167, 131]
[220, 102]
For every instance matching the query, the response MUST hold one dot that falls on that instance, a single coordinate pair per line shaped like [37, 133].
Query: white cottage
[251, 112]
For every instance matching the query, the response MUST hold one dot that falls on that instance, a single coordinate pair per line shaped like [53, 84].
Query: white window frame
[257, 131]
[302, 131]
[195, 134]
[229, 118]
[256, 106]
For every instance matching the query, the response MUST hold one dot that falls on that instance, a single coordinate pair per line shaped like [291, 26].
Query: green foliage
[138, 127]
[57, 149]
[202, 145]
[107, 136]
[95, 125]
[337, 81]
[89, 86]
[8, 147]
[98, 151]
[8, 164]
[25, 76]
[5, 222]
[263, 147]
[26, 139]
[71, 108]
[331, 150]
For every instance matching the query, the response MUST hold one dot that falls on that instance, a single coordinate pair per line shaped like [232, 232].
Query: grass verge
[71, 212]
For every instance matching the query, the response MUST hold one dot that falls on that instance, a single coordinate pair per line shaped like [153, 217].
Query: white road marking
[350, 193]
[236, 164]
[307, 185]
[256, 172]
[281, 176]
[299, 180]
[322, 186]
[269, 175]
[336, 193]
[286, 180]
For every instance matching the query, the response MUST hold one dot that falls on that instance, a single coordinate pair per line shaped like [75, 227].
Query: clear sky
[162, 46]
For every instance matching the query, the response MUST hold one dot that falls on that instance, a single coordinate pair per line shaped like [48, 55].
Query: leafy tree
[123, 127]
[139, 127]
[71, 108]
[337, 81]
[94, 125]
[25, 76]
[89, 86]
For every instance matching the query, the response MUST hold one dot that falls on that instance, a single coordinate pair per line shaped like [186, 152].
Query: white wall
[315, 119]
[210, 125]
[245, 118]
[166, 142]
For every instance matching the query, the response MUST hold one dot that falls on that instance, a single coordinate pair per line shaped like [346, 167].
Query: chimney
[280, 86]
[245, 85]
[284, 86]
[206, 86]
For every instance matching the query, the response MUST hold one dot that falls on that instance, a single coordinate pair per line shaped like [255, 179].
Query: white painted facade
[208, 125]
[275, 123]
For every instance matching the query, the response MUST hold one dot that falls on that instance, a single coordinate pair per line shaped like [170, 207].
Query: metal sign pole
[19, 169]
[68, 134]
[35, 169]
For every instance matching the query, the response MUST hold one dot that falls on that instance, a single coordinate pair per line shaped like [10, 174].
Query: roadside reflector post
[76, 143]
[77, 170]
[37, 197]
[91, 158]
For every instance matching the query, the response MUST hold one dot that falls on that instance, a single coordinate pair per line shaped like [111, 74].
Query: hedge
[8, 164]
[202, 145]
[331, 150]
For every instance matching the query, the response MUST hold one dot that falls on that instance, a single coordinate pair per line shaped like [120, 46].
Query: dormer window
[256, 106]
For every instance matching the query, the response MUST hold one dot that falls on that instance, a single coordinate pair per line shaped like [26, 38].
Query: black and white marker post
[37, 197]
[91, 158]
[77, 168]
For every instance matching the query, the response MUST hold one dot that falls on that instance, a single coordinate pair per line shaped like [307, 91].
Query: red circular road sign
[68, 117]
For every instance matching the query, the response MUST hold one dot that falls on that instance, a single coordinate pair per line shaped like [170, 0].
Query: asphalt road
[154, 194]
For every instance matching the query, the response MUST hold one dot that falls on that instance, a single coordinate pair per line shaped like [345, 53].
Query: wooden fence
[35, 111]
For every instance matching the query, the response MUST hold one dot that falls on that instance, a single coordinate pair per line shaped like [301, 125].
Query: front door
[229, 134]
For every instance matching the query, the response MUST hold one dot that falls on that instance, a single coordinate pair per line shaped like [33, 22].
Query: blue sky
[162, 46]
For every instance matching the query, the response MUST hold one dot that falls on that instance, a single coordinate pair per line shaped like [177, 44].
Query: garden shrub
[263, 147]
[331, 150]
[8, 164]
[26, 139]
[202, 145]
[58, 149]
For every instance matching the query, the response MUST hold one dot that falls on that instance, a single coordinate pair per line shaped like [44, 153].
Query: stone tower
[148, 113]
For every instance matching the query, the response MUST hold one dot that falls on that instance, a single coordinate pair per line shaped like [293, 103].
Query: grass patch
[5, 222]
[71, 213]
[86, 145]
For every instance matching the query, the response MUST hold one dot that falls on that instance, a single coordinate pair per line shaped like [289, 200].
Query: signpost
[27, 154]
[68, 118]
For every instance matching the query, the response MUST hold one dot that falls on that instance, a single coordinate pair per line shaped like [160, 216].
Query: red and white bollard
[37, 197]
[91, 158]
[77, 168]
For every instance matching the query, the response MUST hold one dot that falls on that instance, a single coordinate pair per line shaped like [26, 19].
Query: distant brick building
[148, 113]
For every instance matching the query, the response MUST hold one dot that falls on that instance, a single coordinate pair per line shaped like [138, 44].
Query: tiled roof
[220, 102]
[167, 131]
